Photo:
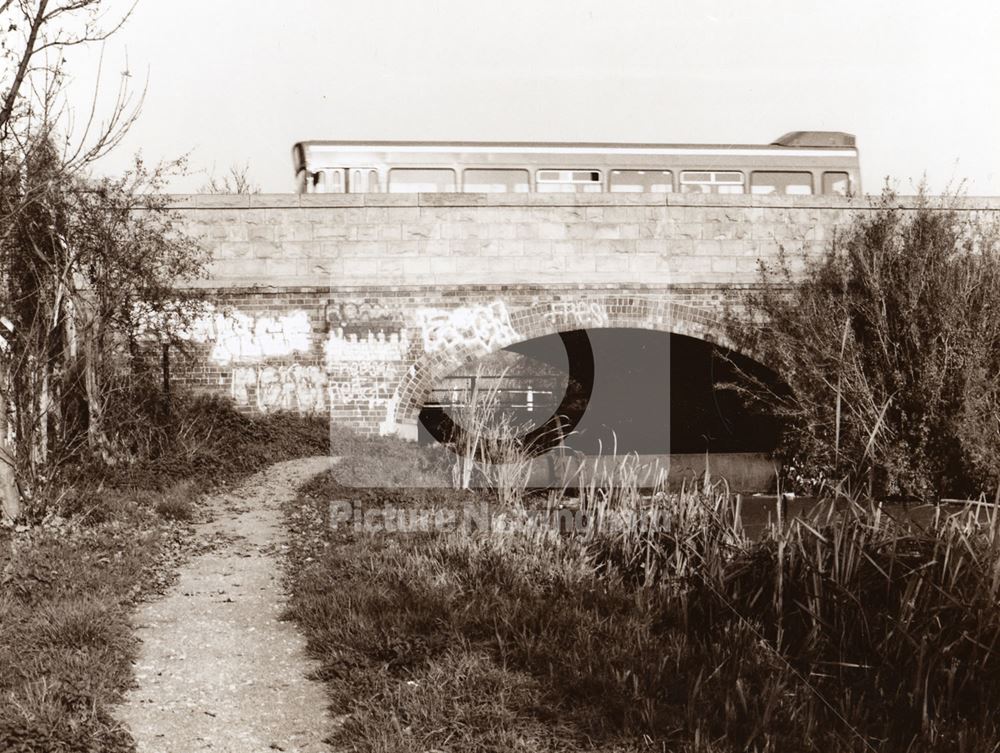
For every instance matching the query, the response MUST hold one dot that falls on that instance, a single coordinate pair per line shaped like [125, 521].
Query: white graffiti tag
[310, 389]
[237, 337]
[482, 328]
[339, 348]
[293, 387]
[234, 337]
[361, 382]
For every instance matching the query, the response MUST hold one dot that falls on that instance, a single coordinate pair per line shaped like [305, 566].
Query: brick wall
[368, 355]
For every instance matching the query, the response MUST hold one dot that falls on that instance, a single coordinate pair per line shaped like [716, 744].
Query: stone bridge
[354, 305]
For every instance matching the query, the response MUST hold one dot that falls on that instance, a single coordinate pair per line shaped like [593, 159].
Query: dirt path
[217, 670]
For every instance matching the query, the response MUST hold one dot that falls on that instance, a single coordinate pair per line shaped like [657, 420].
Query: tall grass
[492, 448]
[661, 624]
[102, 537]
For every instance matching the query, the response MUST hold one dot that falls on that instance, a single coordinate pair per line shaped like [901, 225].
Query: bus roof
[791, 140]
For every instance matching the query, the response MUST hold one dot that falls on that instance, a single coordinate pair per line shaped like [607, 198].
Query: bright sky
[239, 81]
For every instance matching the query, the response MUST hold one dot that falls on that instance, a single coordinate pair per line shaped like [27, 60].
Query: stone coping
[294, 286]
[294, 201]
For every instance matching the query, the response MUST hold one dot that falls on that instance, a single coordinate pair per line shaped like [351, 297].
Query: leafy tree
[91, 267]
[86, 264]
[890, 345]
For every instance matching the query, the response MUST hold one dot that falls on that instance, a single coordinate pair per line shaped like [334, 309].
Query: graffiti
[360, 369]
[310, 389]
[358, 312]
[293, 387]
[243, 378]
[339, 348]
[578, 313]
[481, 328]
[234, 337]
[237, 337]
[389, 425]
[361, 381]
[355, 370]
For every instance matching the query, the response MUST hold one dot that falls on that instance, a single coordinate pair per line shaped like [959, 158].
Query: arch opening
[613, 390]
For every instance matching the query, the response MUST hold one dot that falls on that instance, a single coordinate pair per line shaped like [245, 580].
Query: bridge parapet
[443, 239]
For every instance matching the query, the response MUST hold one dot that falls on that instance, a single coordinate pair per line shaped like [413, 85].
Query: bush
[890, 344]
[206, 441]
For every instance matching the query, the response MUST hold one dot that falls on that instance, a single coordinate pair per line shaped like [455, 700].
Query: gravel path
[217, 670]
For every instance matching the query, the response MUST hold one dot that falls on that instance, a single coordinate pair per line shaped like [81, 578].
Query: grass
[842, 632]
[102, 538]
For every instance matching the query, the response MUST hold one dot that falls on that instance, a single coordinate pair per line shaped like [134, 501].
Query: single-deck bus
[800, 163]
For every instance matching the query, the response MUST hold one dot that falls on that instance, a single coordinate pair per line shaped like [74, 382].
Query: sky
[237, 82]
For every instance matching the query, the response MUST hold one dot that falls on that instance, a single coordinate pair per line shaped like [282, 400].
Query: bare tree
[235, 181]
[32, 76]
[89, 265]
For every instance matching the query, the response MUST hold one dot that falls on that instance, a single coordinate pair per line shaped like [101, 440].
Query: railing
[537, 394]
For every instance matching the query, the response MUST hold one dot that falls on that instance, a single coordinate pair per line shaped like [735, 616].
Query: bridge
[356, 305]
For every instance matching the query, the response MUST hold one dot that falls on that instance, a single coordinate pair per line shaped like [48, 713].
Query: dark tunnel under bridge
[617, 391]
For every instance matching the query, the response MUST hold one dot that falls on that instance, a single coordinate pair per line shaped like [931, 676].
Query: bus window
[562, 181]
[420, 180]
[495, 181]
[711, 182]
[328, 181]
[790, 184]
[836, 183]
[363, 180]
[636, 181]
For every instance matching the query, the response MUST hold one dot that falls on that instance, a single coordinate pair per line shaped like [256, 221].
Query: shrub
[177, 503]
[890, 344]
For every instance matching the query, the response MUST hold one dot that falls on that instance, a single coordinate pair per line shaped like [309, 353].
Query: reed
[661, 624]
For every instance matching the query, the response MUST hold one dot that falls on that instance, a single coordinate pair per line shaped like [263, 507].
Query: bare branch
[22, 68]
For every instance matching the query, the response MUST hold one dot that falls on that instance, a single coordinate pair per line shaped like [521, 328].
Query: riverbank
[862, 631]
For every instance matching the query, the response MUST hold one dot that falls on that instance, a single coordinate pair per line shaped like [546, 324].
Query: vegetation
[89, 267]
[104, 536]
[236, 180]
[658, 626]
[101, 463]
[890, 345]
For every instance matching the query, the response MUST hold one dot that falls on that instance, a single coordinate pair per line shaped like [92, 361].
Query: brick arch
[566, 313]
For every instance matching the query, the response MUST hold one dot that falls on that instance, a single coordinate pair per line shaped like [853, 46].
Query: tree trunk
[165, 362]
[40, 446]
[10, 497]
[96, 439]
